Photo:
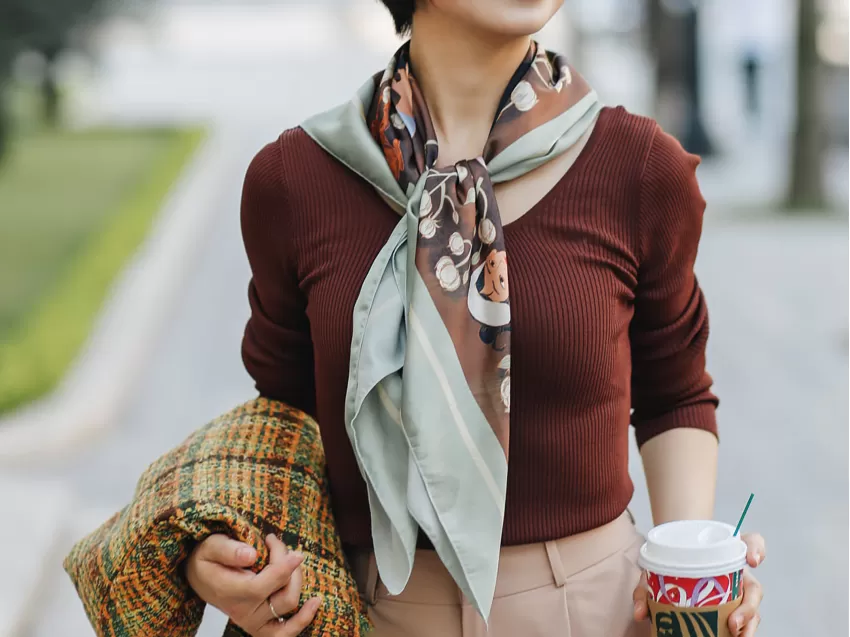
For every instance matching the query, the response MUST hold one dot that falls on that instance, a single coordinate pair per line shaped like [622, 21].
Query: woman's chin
[529, 27]
[511, 18]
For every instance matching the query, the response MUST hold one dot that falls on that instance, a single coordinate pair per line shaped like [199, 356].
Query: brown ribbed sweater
[607, 316]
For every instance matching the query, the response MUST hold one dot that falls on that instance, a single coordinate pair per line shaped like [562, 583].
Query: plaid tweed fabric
[256, 470]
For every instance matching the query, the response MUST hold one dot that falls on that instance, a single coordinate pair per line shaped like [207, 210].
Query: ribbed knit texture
[606, 316]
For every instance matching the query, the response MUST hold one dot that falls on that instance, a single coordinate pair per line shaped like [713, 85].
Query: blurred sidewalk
[777, 291]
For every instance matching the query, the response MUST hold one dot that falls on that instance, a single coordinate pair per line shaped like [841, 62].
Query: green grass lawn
[74, 207]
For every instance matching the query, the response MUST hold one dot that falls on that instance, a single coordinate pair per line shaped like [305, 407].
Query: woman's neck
[463, 75]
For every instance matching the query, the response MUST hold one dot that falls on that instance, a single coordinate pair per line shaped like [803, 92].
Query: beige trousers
[579, 586]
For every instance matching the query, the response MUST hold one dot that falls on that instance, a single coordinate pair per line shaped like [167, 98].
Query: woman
[380, 237]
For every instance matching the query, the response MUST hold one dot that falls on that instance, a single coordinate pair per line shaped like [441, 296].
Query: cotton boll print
[447, 274]
[505, 387]
[524, 97]
[427, 228]
[456, 244]
[487, 231]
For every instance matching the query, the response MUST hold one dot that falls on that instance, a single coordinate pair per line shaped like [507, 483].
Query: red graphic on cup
[691, 592]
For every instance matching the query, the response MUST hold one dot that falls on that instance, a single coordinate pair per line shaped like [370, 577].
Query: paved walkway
[778, 296]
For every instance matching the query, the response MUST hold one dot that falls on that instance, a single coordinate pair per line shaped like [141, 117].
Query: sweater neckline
[565, 180]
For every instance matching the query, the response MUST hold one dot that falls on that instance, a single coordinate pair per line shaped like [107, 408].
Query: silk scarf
[428, 399]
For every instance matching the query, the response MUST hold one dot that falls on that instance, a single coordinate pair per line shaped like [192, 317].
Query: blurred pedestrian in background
[752, 54]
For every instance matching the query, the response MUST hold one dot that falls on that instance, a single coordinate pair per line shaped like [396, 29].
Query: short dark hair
[402, 13]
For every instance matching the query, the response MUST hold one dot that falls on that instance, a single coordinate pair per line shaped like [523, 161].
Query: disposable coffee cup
[694, 572]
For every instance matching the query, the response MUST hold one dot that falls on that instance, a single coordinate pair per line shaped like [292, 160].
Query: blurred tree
[674, 42]
[45, 26]
[4, 111]
[806, 185]
[694, 137]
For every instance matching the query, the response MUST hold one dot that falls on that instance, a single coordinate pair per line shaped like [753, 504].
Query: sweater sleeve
[669, 330]
[277, 349]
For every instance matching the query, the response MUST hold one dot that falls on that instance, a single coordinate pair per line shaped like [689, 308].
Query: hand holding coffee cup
[695, 582]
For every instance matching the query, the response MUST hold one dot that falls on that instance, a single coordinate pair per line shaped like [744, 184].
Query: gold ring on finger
[279, 619]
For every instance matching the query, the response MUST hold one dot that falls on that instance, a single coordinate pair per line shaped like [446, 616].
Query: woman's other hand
[745, 620]
[218, 572]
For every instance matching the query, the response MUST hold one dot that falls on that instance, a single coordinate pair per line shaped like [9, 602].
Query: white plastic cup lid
[693, 548]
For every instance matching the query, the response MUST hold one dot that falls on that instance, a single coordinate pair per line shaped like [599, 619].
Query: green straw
[737, 529]
[744, 514]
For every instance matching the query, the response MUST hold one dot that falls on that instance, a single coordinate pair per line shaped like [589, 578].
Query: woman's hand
[745, 619]
[218, 572]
